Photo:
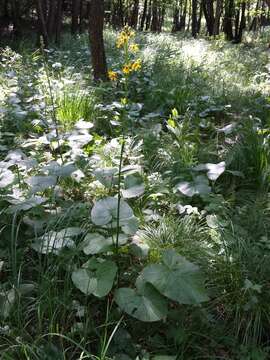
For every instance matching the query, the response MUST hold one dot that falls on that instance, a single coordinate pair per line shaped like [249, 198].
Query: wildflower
[124, 37]
[134, 48]
[124, 101]
[127, 69]
[137, 65]
[112, 75]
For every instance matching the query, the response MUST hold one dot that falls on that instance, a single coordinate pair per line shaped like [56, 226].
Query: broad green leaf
[96, 277]
[197, 187]
[107, 176]
[84, 281]
[53, 242]
[96, 243]
[145, 303]
[41, 183]
[213, 170]
[134, 186]
[105, 211]
[6, 178]
[177, 279]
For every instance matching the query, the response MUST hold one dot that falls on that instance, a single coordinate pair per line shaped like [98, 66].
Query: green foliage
[134, 214]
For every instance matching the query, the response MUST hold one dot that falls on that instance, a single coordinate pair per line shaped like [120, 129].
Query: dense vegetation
[134, 210]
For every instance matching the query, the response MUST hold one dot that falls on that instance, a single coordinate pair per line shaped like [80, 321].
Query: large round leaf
[96, 243]
[105, 211]
[199, 186]
[41, 183]
[145, 303]
[96, 277]
[177, 279]
[6, 177]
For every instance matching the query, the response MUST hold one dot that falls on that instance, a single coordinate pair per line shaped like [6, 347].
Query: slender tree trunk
[42, 22]
[194, 26]
[143, 18]
[149, 16]
[228, 24]
[58, 21]
[96, 24]
[134, 14]
[154, 23]
[208, 9]
[219, 6]
[75, 17]
[240, 24]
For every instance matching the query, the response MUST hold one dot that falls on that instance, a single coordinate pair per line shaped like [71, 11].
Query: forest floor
[134, 214]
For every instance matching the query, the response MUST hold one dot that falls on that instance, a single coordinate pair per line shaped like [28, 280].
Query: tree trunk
[208, 9]
[143, 18]
[154, 23]
[228, 25]
[239, 27]
[134, 14]
[217, 17]
[42, 22]
[96, 24]
[194, 26]
[75, 17]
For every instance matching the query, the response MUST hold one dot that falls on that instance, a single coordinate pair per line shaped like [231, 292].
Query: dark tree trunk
[134, 14]
[51, 20]
[240, 25]
[58, 21]
[118, 14]
[228, 16]
[194, 26]
[42, 22]
[200, 18]
[143, 18]
[75, 17]
[208, 9]
[16, 17]
[154, 23]
[96, 24]
[149, 16]
[183, 16]
[217, 17]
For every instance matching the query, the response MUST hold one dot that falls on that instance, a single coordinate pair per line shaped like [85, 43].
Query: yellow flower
[124, 37]
[133, 48]
[127, 69]
[124, 101]
[112, 75]
[122, 40]
[137, 65]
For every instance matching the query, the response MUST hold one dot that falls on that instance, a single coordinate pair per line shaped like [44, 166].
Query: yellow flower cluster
[131, 67]
[112, 75]
[124, 37]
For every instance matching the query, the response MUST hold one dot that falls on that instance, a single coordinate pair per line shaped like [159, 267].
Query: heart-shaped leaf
[145, 303]
[96, 277]
[41, 183]
[105, 211]
[96, 243]
[199, 186]
[177, 279]
[107, 176]
[134, 186]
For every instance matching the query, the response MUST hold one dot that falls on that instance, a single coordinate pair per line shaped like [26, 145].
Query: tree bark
[96, 24]
[75, 16]
[143, 18]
